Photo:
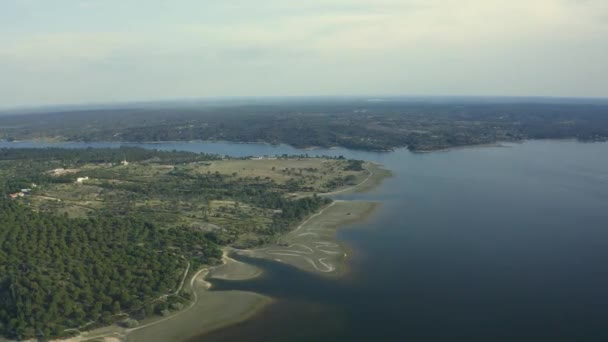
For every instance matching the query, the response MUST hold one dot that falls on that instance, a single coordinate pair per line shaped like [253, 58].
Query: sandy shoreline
[313, 246]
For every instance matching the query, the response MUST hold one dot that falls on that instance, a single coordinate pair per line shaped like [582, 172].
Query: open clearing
[313, 173]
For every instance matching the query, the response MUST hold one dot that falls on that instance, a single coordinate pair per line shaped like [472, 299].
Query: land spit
[312, 245]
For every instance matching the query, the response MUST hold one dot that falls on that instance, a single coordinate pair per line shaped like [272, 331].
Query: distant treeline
[355, 124]
[103, 155]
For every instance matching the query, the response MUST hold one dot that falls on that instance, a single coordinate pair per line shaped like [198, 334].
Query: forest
[60, 273]
[79, 255]
[356, 123]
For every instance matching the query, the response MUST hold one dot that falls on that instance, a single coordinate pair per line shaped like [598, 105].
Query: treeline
[354, 165]
[76, 157]
[296, 210]
[58, 273]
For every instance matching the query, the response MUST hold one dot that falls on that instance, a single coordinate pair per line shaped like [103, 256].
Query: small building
[17, 195]
[80, 180]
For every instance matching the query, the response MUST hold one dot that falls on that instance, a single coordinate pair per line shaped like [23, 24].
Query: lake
[475, 244]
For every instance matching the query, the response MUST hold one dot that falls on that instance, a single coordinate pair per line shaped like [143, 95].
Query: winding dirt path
[180, 312]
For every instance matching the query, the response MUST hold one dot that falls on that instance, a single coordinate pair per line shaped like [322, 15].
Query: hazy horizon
[93, 52]
[253, 100]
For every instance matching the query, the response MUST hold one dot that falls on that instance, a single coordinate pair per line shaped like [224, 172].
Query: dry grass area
[314, 173]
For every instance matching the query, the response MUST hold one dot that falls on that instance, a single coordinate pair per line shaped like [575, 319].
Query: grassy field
[172, 196]
[313, 173]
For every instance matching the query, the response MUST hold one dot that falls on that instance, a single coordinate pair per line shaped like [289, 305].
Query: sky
[92, 51]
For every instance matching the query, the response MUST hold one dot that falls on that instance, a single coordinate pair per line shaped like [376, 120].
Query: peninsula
[131, 233]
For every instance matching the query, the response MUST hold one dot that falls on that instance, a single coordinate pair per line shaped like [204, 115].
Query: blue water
[475, 244]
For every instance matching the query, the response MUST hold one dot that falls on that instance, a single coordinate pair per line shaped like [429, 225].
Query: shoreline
[313, 246]
[499, 143]
[455, 148]
[60, 140]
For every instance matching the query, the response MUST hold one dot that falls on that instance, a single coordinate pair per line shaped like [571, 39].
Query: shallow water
[476, 244]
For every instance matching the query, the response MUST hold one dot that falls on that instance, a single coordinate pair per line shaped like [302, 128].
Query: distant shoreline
[60, 140]
[304, 150]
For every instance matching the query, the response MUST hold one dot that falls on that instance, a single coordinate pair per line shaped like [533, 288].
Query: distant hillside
[365, 124]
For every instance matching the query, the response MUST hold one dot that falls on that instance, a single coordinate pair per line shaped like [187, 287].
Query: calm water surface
[477, 244]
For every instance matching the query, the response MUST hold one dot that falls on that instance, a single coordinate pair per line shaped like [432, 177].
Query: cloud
[61, 46]
[190, 48]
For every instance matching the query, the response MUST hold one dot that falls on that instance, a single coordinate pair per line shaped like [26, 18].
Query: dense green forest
[58, 273]
[65, 265]
[352, 123]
